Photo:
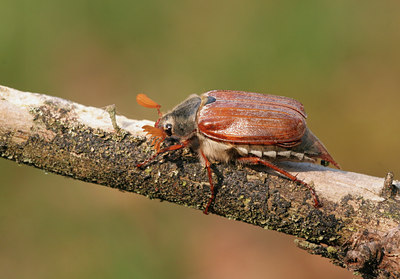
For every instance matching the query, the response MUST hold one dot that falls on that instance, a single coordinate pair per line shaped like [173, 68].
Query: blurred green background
[341, 59]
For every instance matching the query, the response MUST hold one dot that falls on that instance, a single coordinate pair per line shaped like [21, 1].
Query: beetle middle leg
[259, 161]
[212, 189]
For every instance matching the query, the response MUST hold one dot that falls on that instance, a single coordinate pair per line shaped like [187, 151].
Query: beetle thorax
[182, 119]
[214, 150]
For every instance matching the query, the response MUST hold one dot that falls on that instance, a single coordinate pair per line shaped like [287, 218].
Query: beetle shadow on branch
[179, 159]
[304, 167]
[184, 158]
[264, 169]
[291, 167]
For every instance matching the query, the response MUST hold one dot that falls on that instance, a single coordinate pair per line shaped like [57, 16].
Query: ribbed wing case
[251, 118]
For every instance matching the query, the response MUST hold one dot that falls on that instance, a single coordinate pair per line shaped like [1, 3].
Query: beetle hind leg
[259, 161]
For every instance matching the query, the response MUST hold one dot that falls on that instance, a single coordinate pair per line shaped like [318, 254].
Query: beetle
[226, 125]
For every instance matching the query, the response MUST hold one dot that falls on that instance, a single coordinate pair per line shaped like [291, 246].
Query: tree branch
[357, 227]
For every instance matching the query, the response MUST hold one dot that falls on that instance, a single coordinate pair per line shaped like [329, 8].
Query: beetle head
[177, 125]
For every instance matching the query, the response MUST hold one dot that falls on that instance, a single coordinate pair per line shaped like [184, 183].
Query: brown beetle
[251, 128]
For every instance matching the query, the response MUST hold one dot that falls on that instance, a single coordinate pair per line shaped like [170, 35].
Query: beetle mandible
[226, 125]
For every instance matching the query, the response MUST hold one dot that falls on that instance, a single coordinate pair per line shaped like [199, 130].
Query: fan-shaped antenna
[146, 102]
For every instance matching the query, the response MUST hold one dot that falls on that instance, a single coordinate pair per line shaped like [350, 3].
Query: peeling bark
[357, 227]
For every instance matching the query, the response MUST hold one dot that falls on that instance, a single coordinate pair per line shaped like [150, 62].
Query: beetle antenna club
[146, 102]
[251, 128]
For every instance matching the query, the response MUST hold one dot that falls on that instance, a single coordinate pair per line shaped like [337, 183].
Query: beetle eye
[168, 129]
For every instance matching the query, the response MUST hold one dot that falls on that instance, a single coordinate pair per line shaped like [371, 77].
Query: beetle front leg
[208, 166]
[166, 149]
[259, 161]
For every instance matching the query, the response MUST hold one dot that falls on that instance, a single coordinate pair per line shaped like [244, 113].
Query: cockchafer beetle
[225, 125]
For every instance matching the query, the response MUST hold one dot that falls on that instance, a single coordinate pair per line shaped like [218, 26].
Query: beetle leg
[256, 160]
[208, 166]
[166, 149]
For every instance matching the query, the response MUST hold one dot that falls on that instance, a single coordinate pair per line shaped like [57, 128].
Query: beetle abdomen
[273, 153]
[308, 150]
[225, 152]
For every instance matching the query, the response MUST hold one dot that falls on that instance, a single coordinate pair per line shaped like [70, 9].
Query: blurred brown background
[341, 59]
